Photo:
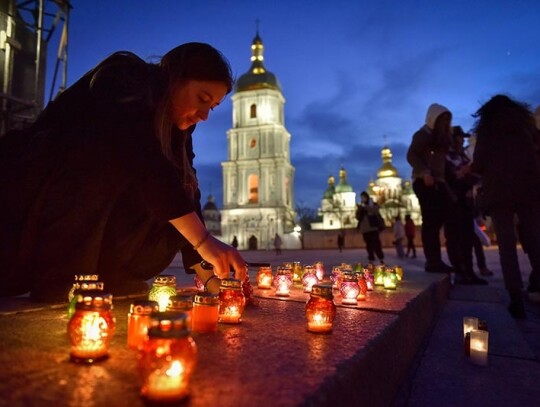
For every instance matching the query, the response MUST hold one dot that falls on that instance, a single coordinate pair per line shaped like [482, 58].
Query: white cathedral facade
[258, 177]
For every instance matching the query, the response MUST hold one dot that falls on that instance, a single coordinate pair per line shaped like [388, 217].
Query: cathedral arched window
[253, 185]
[253, 111]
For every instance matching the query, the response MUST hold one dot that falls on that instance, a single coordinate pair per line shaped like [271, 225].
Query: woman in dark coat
[507, 156]
[103, 182]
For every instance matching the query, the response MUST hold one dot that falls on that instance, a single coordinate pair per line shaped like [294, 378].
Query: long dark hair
[190, 61]
[502, 117]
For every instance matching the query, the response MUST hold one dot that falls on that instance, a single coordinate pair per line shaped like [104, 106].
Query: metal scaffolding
[26, 29]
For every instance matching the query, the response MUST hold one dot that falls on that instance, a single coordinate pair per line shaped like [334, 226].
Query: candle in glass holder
[297, 272]
[479, 347]
[390, 279]
[163, 287]
[349, 289]
[319, 270]
[139, 321]
[283, 281]
[378, 275]
[469, 323]
[265, 278]
[399, 272]
[362, 284]
[320, 309]
[80, 286]
[231, 301]
[336, 277]
[182, 303]
[310, 278]
[91, 327]
[205, 312]
[370, 280]
[167, 359]
[199, 285]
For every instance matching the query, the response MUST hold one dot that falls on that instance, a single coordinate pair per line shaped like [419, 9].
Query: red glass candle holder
[231, 301]
[167, 359]
[283, 281]
[349, 289]
[320, 309]
[310, 278]
[370, 281]
[139, 321]
[362, 284]
[319, 270]
[91, 327]
[265, 277]
[163, 287]
[205, 312]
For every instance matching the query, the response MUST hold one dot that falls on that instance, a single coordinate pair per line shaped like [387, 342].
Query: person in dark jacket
[507, 156]
[427, 155]
[367, 214]
[103, 181]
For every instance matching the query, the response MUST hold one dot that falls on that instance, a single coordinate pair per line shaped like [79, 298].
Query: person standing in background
[399, 235]
[410, 234]
[367, 213]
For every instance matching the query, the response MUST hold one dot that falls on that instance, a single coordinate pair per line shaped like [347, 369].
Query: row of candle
[476, 340]
[353, 285]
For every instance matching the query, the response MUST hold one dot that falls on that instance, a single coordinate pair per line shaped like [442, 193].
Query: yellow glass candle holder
[319, 270]
[265, 278]
[163, 287]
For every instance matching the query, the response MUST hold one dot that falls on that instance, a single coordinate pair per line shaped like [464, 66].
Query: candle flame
[175, 370]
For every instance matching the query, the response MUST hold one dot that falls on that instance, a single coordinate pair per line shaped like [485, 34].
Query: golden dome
[387, 169]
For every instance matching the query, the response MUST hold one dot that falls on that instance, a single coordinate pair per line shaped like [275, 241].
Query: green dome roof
[329, 193]
[257, 77]
[343, 185]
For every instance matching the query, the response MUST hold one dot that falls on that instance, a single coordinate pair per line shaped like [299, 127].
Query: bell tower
[258, 177]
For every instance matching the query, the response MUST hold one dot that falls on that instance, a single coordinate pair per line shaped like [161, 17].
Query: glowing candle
[164, 286]
[320, 309]
[231, 301]
[283, 281]
[399, 272]
[336, 277]
[91, 327]
[319, 270]
[297, 272]
[167, 359]
[390, 279]
[378, 275]
[362, 284]
[205, 312]
[479, 347]
[79, 278]
[265, 278]
[370, 280]
[309, 279]
[349, 289]
[469, 323]
[139, 321]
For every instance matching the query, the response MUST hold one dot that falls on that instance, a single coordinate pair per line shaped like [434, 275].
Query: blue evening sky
[353, 73]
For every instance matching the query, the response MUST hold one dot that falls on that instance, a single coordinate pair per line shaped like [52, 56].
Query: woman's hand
[223, 257]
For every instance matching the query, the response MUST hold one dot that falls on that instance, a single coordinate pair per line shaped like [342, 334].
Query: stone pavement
[273, 361]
